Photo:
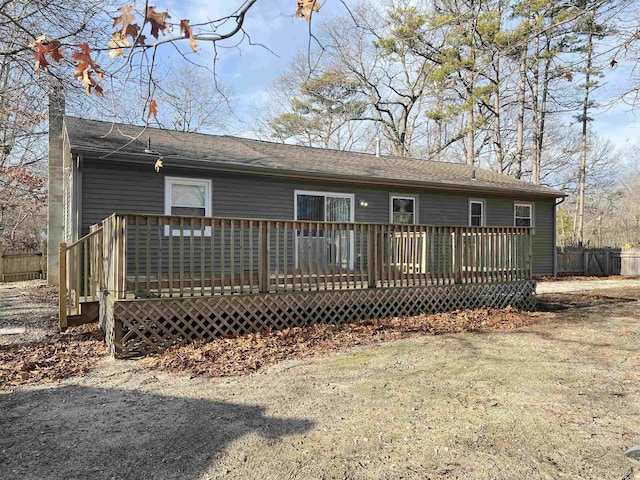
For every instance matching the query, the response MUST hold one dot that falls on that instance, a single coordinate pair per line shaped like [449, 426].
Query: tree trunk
[582, 174]
[520, 122]
[535, 92]
[470, 120]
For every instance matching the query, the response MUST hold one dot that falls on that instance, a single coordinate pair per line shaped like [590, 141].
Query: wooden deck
[335, 268]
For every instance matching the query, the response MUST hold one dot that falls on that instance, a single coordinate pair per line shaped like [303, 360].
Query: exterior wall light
[364, 204]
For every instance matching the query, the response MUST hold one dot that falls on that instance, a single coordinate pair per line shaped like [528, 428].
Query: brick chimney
[55, 214]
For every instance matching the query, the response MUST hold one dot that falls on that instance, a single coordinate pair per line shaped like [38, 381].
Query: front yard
[557, 398]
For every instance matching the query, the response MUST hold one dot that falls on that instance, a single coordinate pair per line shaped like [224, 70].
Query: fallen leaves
[249, 353]
[68, 355]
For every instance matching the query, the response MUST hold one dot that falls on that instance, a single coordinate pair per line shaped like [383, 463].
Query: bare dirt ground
[555, 399]
[30, 308]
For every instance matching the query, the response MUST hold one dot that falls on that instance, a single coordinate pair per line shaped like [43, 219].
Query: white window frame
[392, 197]
[198, 182]
[531, 213]
[316, 193]
[483, 217]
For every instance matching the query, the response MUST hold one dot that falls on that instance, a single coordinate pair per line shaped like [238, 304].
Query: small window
[476, 213]
[187, 197]
[523, 215]
[403, 210]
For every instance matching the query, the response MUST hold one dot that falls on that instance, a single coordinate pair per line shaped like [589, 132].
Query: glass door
[339, 241]
[332, 246]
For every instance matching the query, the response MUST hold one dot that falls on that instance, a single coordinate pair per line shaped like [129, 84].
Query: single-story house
[233, 217]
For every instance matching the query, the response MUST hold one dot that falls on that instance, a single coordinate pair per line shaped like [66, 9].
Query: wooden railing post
[263, 257]
[62, 295]
[372, 256]
[457, 257]
[529, 255]
[1, 262]
[43, 260]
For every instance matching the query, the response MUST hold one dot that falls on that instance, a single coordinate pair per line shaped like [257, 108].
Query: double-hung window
[187, 197]
[523, 215]
[476, 213]
[403, 210]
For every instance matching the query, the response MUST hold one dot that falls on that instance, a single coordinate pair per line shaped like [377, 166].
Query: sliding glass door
[333, 246]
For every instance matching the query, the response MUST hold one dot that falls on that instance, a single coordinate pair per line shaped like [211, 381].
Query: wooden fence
[598, 261]
[28, 265]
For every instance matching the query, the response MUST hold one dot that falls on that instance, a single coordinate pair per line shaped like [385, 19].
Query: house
[265, 225]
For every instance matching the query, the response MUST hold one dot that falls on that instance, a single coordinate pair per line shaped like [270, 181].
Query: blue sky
[250, 69]
[275, 33]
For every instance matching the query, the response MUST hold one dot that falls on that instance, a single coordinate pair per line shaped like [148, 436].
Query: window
[188, 197]
[403, 210]
[324, 207]
[476, 213]
[523, 215]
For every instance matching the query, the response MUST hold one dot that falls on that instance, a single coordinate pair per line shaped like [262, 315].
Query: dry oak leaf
[116, 44]
[153, 109]
[159, 164]
[158, 21]
[44, 48]
[120, 39]
[85, 66]
[187, 31]
[305, 8]
[126, 17]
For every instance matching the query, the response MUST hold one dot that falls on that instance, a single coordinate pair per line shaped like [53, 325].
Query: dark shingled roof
[128, 142]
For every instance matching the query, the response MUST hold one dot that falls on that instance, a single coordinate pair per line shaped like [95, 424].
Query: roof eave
[144, 159]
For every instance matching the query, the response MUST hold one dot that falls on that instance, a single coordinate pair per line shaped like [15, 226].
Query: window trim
[199, 182]
[392, 197]
[483, 216]
[317, 193]
[531, 213]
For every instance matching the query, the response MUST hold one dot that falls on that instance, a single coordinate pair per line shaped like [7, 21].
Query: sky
[276, 35]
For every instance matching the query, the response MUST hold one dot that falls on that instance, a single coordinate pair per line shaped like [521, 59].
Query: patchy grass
[554, 398]
[249, 353]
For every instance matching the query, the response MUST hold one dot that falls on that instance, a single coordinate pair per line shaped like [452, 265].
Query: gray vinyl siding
[500, 212]
[109, 188]
[443, 209]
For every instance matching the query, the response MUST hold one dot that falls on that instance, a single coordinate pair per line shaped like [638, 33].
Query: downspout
[555, 237]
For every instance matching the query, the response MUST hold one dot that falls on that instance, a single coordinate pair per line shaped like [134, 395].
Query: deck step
[89, 312]
[74, 320]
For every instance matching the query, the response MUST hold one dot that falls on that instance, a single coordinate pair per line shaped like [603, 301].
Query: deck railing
[160, 255]
[81, 273]
[144, 256]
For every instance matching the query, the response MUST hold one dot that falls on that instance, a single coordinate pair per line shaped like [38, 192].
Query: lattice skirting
[144, 326]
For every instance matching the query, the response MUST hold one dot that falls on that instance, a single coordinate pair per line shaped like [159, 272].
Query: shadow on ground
[564, 301]
[75, 432]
